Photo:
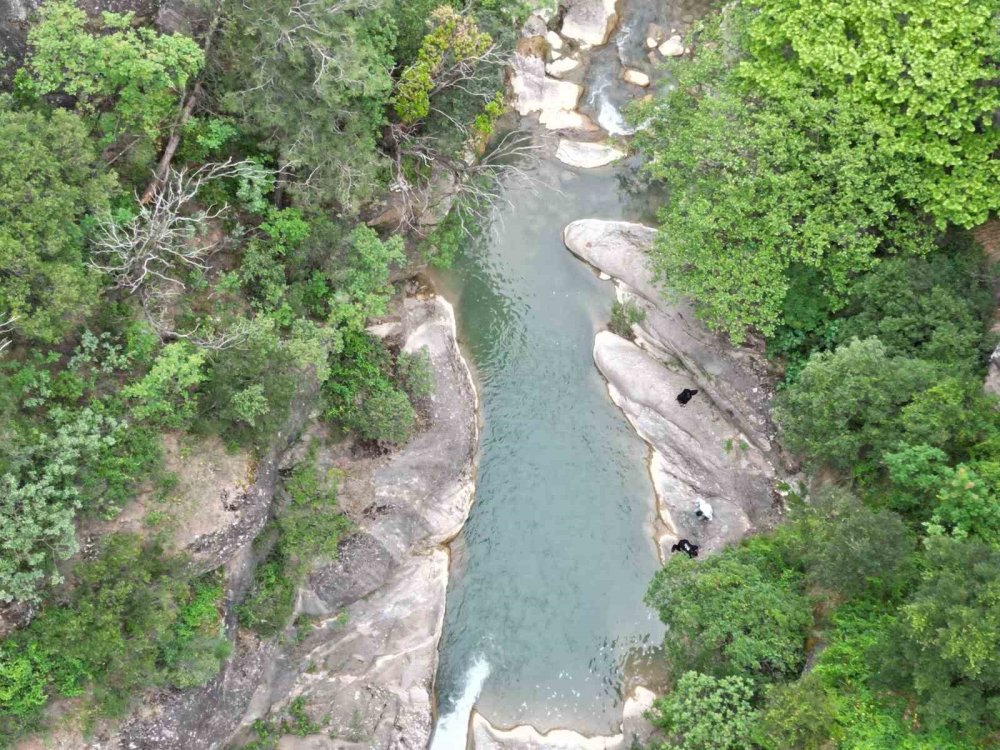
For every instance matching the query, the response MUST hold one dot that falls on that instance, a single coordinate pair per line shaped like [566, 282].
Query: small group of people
[703, 510]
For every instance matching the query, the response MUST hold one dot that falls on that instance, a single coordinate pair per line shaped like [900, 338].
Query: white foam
[452, 728]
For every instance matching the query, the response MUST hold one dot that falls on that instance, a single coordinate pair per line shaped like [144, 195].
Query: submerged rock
[636, 77]
[587, 155]
[589, 21]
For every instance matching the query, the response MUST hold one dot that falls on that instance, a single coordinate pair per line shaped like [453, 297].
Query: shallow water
[547, 577]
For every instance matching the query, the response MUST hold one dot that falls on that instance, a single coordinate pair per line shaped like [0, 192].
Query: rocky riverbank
[363, 655]
[716, 449]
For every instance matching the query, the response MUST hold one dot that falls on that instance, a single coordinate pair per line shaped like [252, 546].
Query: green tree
[857, 551]
[728, 615]
[800, 715]
[133, 76]
[844, 409]
[706, 713]
[132, 619]
[166, 395]
[938, 307]
[919, 73]
[362, 288]
[943, 648]
[311, 82]
[760, 185]
[50, 179]
[453, 43]
[966, 508]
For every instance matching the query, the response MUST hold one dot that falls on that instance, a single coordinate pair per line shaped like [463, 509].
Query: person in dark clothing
[686, 395]
[683, 545]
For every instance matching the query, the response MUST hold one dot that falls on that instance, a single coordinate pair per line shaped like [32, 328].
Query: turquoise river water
[544, 606]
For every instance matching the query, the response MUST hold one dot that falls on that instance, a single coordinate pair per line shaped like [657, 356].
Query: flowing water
[545, 623]
[548, 575]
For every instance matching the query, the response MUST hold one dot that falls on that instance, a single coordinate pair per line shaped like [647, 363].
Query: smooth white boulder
[673, 47]
[589, 21]
[562, 66]
[555, 41]
[587, 155]
[536, 92]
[636, 77]
[635, 726]
[562, 119]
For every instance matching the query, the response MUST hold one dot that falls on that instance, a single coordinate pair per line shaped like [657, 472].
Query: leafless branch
[162, 240]
[6, 327]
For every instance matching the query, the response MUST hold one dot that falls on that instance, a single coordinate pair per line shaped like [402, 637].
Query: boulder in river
[562, 66]
[536, 92]
[635, 77]
[673, 47]
[587, 155]
[589, 21]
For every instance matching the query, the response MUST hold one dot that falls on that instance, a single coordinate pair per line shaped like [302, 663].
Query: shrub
[623, 316]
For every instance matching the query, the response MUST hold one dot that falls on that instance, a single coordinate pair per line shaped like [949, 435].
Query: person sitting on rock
[683, 545]
[704, 510]
[686, 395]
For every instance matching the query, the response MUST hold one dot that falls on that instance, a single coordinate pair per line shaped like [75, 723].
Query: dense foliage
[823, 161]
[183, 257]
[819, 136]
[132, 618]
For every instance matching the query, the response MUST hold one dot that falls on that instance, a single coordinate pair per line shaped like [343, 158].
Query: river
[548, 575]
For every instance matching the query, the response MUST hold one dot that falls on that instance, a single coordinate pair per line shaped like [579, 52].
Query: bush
[132, 619]
[308, 528]
[705, 713]
[415, 374]
[623, 316]
[727, 616]
[361, 394]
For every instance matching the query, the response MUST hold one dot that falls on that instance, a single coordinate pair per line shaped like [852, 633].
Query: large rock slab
[589, 21]
[365, 652]
[586, 155]
[735, 379]
[371, 679]
[536, 92]
[487, 737]
[366, 671]
[699, 454]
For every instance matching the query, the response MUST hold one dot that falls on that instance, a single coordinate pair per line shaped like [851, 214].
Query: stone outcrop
[487, 737]
[718, 448]
[589, 21]
[635, 729]
[586, 155]
[536, 92]
[365, 666]
[366, 671]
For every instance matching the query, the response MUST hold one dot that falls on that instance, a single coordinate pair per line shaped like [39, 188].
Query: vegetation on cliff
[824, 163]
[182, 252]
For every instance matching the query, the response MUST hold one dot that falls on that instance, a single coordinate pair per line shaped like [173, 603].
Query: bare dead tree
[6, 326]
[156, 305]
[477, 184]
[162, 240]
